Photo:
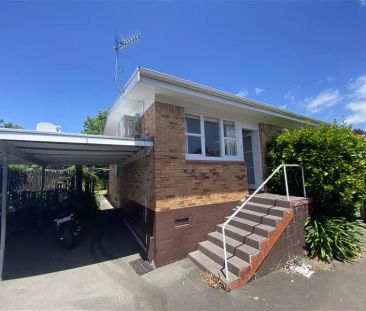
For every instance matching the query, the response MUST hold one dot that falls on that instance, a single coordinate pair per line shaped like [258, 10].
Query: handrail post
[225, 254]
[286, 184]
[303, 180]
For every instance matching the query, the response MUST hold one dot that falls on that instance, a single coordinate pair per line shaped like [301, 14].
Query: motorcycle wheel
[69, 238]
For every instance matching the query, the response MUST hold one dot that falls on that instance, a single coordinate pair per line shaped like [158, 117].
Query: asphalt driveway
[96, 275]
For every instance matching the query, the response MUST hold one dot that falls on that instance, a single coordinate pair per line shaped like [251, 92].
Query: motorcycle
[67, 224]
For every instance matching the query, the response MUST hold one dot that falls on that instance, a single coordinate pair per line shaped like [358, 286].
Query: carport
[45, 149]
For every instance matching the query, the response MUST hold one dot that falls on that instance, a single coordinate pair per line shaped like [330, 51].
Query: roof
[145, 82]
[45, 148]
[212, 91]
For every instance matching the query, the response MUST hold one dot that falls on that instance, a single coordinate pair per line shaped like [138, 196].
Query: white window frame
[186, 133]
[204, 118]
[229, 138]
[202, 156]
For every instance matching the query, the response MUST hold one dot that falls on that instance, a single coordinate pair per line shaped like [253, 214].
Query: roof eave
[221, 94]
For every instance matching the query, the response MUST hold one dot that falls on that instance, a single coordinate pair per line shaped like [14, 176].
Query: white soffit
[25, 146]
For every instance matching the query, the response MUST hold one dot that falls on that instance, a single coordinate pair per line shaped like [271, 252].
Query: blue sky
[57, 60]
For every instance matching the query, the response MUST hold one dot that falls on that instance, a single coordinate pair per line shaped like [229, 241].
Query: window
[210, 138]
[193, 135]
[230, 138]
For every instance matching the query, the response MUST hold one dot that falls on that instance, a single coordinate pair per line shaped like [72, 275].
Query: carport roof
[45, 148]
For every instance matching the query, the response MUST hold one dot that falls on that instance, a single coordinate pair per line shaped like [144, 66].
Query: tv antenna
[123, 44]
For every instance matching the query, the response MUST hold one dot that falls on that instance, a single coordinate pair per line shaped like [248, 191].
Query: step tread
[271, 196]
[244, 233]
[261, 205]
[243, 236]
[253, 223]
[238, 245]
[229, 240]
[247, 211]
[235, 261]
[267, 206]
[205, 263]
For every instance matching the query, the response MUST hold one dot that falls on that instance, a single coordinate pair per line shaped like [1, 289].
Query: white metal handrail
[251, 196]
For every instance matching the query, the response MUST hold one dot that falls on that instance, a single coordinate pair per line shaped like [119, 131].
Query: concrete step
[216, 253]
[242, 235]
[272, 199]
[261, 218]
[207, 264]
[245, 234]
[251, 226]
[265, 209]
[233, 246]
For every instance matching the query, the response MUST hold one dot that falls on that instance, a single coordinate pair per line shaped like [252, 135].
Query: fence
[31, 180]
[29, 205]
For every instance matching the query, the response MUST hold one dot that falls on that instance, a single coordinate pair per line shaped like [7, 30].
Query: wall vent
[183, 221]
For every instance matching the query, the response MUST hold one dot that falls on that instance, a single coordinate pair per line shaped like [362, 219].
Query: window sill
[224, 161]
[199, 157]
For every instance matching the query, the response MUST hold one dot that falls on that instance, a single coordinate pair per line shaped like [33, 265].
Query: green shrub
[333, 238]
[334, 162]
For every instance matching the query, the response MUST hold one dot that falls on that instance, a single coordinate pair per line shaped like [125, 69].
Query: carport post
[40, 211]
[3, 214]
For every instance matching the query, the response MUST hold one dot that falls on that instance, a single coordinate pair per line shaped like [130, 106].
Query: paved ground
[103, 203]
[96, 275]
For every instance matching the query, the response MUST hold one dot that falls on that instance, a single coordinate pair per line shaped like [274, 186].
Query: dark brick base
[173, 234]
[178, 232]
[135, 215]
[290, 244]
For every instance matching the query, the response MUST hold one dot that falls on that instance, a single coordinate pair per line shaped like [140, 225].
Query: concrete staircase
[249, 237]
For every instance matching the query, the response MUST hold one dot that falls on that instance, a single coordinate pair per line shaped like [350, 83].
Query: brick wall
[290, 244]
[174, 182]
[181, 183]
[129, 184]
[173, 241]
[266, 132]
[114, 187]
[204, 192]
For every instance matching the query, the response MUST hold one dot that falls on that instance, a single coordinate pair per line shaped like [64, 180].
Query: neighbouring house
[208, 152]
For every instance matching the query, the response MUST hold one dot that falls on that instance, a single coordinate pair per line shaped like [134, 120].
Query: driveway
[96, 275]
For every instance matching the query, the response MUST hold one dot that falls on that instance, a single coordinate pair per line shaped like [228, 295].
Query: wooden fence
[29, 205]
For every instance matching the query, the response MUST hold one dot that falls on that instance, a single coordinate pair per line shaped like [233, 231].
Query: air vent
[181, 221]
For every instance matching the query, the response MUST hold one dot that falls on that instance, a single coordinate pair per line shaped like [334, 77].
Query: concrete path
[97, 276]
[103, 203]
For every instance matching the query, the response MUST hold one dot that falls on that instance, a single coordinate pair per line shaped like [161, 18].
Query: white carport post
[3, 214]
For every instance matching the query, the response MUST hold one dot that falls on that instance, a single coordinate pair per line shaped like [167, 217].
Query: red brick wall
[266, 132]
[129, 184]
[205, 192]
[181, 183]
[174, 182]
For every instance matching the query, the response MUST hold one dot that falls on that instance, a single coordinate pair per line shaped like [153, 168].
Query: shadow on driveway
[38, 252]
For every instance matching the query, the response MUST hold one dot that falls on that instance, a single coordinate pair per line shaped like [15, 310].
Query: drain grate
[141, 266]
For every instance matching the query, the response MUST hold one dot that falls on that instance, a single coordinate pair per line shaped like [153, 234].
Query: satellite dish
[48, 127]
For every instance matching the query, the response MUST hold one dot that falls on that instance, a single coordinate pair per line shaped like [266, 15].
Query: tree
[95, 125]
[9, 125]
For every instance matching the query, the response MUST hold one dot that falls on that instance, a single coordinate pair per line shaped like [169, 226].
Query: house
[209, 150]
